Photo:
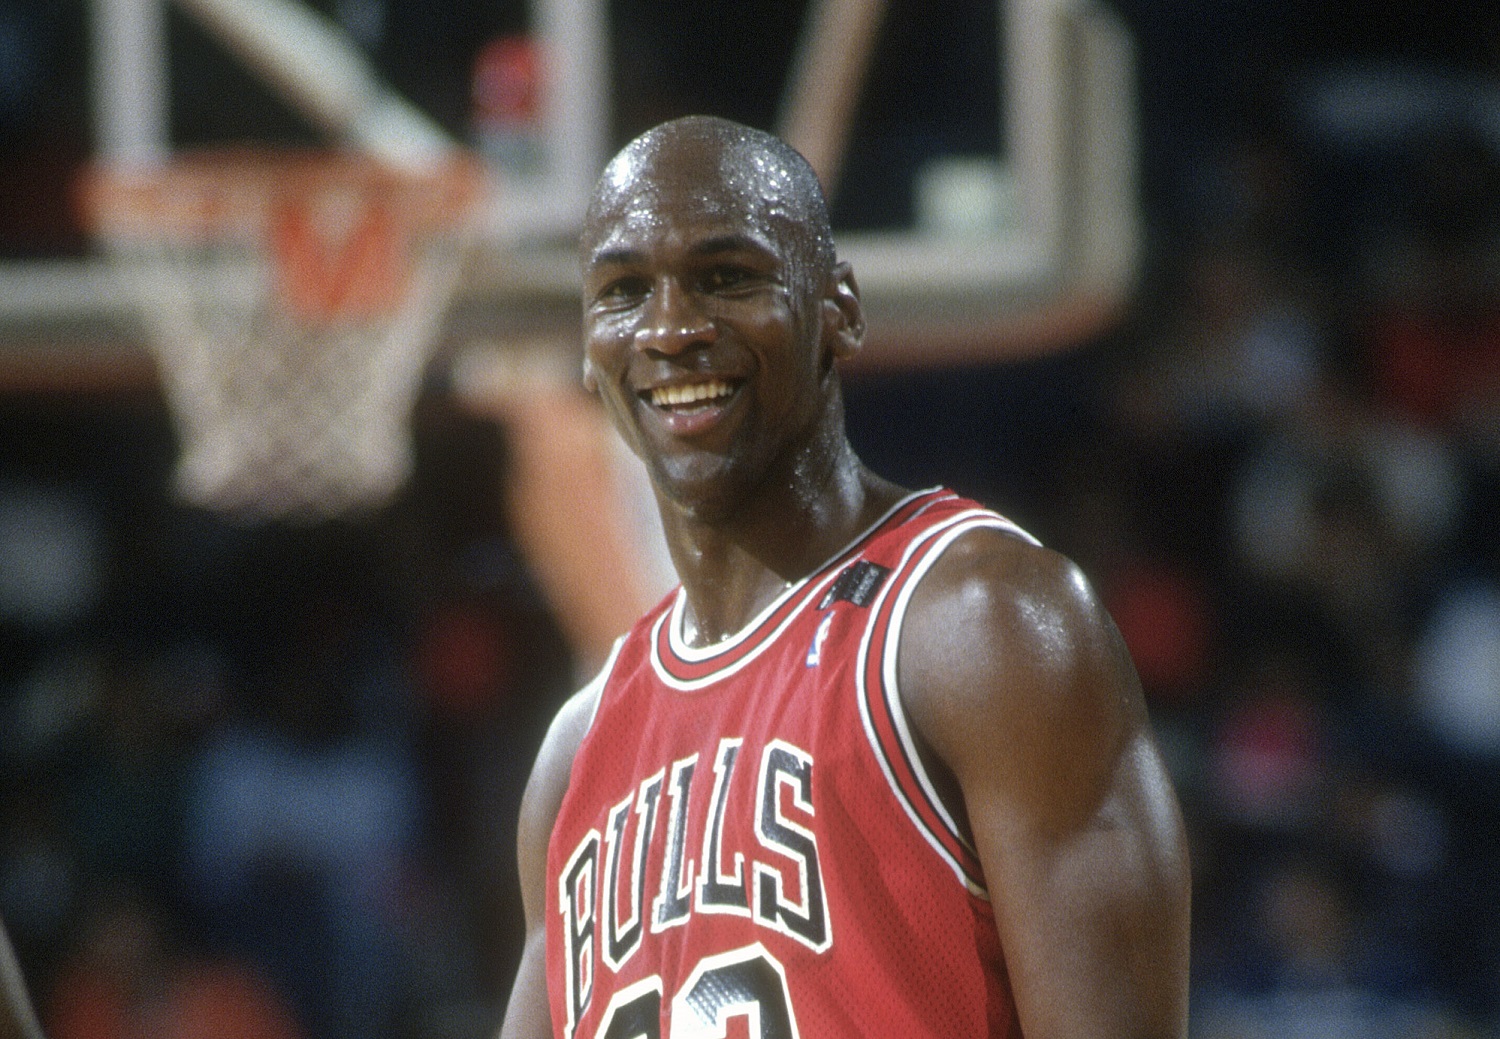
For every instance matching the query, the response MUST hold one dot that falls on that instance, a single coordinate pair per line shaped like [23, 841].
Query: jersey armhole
[881, 708]
[594, 688]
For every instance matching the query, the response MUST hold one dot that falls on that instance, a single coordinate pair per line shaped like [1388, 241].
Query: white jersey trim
[931, 544]
[675, 616]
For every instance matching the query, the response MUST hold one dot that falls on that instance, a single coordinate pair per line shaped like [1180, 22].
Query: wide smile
[691, 408]
[692, 395]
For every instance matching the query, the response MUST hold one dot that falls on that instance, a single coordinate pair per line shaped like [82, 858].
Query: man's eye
[623, 289]
[722, 278]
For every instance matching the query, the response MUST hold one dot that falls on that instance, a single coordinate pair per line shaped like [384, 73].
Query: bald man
[880, 764]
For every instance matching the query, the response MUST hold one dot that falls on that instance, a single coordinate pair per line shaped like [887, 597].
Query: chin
[703, 504]
[706, 497]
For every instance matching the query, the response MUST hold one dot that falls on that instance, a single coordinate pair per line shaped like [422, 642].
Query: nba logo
[815, 651]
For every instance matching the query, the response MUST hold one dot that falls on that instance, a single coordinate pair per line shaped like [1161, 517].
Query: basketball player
[17, 1018]
[880, 766]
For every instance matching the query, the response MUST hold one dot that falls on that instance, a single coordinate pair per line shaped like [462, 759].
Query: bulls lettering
[805, 919]
[576, 901]
[717, 892]
[620, 940]
[674, 903]
[757, 831]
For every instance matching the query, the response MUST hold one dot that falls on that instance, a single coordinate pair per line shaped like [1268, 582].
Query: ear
[843, 314]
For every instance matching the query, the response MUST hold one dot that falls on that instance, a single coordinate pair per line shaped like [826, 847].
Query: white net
[292, 302]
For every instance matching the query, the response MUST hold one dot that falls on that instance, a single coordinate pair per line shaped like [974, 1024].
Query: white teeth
[674, 396]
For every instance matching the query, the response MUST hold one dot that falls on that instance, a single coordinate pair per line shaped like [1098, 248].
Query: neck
[732, 568]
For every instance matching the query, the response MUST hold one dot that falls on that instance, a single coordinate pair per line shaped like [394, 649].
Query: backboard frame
[1065, 269]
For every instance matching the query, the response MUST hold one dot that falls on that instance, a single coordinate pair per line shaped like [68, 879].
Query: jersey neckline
[684, 666]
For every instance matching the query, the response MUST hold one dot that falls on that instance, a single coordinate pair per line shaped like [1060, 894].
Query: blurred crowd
[1283, 475]
[1291, 510]
[261, 782]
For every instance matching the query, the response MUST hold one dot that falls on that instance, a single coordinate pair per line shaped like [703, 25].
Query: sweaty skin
[714, 319]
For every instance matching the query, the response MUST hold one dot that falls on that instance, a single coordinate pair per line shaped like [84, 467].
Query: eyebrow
[733, 241]
[728, 243]
[614, 255]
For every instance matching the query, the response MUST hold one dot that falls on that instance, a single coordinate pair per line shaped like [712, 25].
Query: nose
[674, 321]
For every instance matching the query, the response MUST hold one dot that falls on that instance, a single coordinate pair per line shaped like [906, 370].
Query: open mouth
[691, 397]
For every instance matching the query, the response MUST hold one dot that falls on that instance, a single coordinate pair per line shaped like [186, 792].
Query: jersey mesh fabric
[821, 902]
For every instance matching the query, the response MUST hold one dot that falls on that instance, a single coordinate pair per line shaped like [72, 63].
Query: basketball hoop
[292, 301]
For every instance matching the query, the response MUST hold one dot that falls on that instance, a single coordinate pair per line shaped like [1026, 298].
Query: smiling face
[713, 311]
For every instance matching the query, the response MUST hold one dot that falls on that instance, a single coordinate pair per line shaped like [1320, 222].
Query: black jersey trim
[880, 705]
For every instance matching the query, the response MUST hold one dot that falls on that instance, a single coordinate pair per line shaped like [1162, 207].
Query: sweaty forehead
[659, 186]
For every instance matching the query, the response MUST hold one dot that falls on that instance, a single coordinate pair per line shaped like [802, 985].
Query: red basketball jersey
[749, 833]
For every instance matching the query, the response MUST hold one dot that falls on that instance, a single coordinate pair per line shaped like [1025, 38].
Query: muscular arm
[1032, 721]
[527, 1015]
[17, 1019]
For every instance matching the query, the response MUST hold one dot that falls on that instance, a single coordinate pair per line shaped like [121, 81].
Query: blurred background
[260, 777]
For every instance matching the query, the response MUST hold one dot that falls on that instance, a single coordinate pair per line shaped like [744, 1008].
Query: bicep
[543, 797]
[1093, 916]
[1019, 686]
[527, 1014]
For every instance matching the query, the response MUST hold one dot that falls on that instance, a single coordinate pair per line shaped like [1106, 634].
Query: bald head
[707, 163]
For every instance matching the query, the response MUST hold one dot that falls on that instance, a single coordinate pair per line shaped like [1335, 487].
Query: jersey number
[747, 983]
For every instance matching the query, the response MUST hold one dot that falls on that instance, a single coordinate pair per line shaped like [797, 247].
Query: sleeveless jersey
[748, 831]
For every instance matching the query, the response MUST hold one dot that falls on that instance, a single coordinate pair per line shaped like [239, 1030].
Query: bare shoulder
[1006, 644]
[995, 605]
[1029, 714]
[554, 760]
[545, 790]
